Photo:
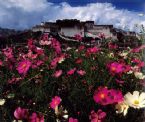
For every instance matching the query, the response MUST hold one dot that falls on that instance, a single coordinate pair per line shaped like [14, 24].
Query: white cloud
[26, 5]
[22, 14]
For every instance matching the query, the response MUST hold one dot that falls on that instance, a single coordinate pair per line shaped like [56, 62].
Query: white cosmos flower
[139, 75]
[122, 108]
[2, 101]
[61, 60]
[130, 72]
[124, 54]
[68, 48]
[135, 100]
[17, 121]
[111, 55]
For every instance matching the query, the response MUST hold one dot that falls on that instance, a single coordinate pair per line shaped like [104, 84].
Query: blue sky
[133, 5]
[24, 14]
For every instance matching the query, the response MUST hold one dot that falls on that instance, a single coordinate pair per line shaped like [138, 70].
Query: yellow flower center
[113, 68]
[102, 96]
[136, 102]
[24, 65]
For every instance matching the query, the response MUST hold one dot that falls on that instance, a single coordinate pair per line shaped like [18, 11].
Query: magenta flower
[92, 50]
[112, 46]
[80, 48]
[36, 118]
[101, 35]
[71, 72]
[78, 37]
[45, 37]
[21, 113]
[8, 52]
[138, 49]
[31, 55]
[97, 117]
[56, 45]
[1, 63]
[138, 62]
[127, 68]
[14, 80]
[57, 73]
[30, 44]
[57, 60]
[81, 72]
[72, 120]
[39, 51]
[55, 102]
[100, 96]
[115, 96]
[37, 63]
[78, 61]
[54, 62]
[104, 96]
[23, 66]
[116, 68]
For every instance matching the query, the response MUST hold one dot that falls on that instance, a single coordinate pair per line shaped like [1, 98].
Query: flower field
[42, 82]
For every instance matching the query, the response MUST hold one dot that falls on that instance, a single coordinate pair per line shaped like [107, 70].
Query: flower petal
[136, 95]
[142, 97]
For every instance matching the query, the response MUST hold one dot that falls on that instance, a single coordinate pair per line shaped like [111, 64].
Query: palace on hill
[71, 27]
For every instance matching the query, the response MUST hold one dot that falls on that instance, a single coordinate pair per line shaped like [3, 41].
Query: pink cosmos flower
[92, 50]
[101, 35]
[116, 68]
[81, 72]
[97, 117]
[71, 72]
[31, 55]
[21, 113]
[56, 45]
[39, 51]
[8, 52]
[30, 44]
[127, 68]
[104, 96]
[78, 61]
[112, 46]
[138, 62]
[78, 37]
[54, 62]
[100, 96]
[14, 80]
[55, 102]
[138, 49]
[42, 42]
[57, 73]
[1, 63]
[72, 120]
[23, 66]
[115, 96]
[36, 118]
[57, 60]
[80, 48]
[45, 37]
[37, 63]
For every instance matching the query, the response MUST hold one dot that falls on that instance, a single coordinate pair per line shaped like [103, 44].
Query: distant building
[68, 28]
[71, 27]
